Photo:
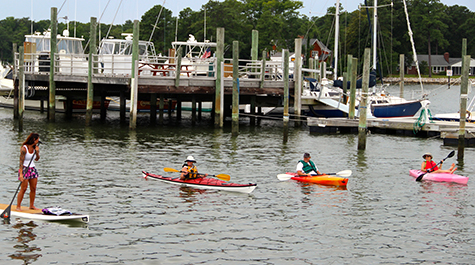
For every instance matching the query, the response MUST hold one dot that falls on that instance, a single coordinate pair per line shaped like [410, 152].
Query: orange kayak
[323, 179]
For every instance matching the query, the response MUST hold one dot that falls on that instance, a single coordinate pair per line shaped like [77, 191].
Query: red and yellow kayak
[323, 179]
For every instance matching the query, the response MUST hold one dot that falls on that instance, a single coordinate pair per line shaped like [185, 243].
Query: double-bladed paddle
[423, 174]
[8, 210]
[344, 173]
[224, 177]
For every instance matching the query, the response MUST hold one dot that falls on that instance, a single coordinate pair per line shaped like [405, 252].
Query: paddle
[8, 210]
[423, 174]
[224, 177]
[344, 173]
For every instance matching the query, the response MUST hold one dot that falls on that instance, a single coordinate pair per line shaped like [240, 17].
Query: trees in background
[437, 28]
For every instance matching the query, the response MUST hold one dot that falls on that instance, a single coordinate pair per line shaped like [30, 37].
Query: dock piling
[90, 85]
[219, 89]
[161, 106]
[286, 95]
[298, 79]
[363, 104]
[21, 90]
[53, 48]
[235, 112]
[134, 74]
[153, 108]
[463, 105]
[354, 73]
[401, 75]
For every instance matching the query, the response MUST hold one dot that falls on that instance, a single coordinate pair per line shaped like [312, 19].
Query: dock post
[103, 105]
[363, 104]
[21, 90]
[463, 105]
[178, 109]
[153, 108]
[161, 106]
[311, 66]
[193, 109]
[218, 99]
[401, 75]
[253, 110]
[348, 76]
[298, 79]
[122, 106]
[179, 54]
[200, 109]
[354, 73]
[235, 113]
[90, 71]
[286, 95]
[134, 80]
[317, 67]
[263, 68]
[323, 70]
[15, 84]
[345, 87]
[254, 48]
[53, 48]
[170, 105]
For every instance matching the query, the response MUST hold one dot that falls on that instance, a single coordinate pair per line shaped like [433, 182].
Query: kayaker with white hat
[430, 166]
[189, 170]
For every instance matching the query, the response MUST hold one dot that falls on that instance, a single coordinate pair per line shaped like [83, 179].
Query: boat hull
[38, 215]
[328, 180]
[204, 183]
[440, 177]
[405, 109]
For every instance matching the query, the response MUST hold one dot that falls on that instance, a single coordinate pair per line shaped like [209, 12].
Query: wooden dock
[447, 130]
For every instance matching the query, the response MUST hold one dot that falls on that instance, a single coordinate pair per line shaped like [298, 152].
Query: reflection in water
[188, 193]
[25, 236]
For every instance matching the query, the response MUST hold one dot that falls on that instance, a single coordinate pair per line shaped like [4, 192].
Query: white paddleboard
[38, 215]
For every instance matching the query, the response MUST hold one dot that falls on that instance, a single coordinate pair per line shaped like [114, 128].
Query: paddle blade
[344, 173]
[6, 212]
[224, 177]
[451, 154]
[284, 177]
[420, 177]
[169, 169]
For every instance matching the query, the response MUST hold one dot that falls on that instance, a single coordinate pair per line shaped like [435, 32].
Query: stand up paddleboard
[39, 215]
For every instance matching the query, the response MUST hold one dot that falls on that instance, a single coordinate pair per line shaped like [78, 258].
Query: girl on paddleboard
[430, 166]
[27, 174]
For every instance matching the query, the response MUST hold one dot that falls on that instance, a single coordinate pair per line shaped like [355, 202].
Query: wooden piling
[15, 84]
[21, 90]
[311, 66]
[134, 75]
[348, 77]
[354, 73]
[90, 71]
[263, 68]
[363, 103]
[254, 47]
[401, 75]
[253, 110]
[218, 100]
[103, 105]
[298, 79]
[463, 106]
[179, 55]
[53, 48]
[122, 106]
[286, 94]
[235, 104]
[153, 108]
[200, 110]
[161, 106]
[193, 110]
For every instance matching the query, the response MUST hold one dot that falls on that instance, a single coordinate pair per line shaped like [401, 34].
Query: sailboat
[328, 101]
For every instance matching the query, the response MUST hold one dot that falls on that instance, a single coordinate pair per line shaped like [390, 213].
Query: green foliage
[435, 26]
[424, 67]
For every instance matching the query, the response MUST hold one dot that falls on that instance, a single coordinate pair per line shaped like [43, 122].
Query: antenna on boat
[337, 32]
[205, 27]
[75, 15]
[31, 17]
[156, 21]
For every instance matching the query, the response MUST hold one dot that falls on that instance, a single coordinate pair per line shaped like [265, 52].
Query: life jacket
[191, 172]
[431, 165]
[308, 167]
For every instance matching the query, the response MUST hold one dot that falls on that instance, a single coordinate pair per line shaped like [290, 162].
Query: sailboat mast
[337, 33]
[375, 26]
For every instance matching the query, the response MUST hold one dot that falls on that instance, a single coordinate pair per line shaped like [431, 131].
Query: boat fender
[55, 211]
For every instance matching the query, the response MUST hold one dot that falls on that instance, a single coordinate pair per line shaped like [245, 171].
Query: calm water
[383, 216]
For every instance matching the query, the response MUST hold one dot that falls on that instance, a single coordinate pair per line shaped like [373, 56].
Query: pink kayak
[445, 177]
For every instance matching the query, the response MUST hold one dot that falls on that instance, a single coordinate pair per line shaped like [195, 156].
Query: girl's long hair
[31, 139]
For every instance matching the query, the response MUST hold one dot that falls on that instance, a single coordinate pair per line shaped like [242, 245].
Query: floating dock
[447, 130]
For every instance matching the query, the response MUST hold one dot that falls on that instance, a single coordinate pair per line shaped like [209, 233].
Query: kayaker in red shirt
[431, 167]
[306, 167]
[189, 171]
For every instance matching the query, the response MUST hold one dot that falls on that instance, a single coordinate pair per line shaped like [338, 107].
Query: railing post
[53, 47]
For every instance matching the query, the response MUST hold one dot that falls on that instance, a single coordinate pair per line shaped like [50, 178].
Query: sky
[105, 10]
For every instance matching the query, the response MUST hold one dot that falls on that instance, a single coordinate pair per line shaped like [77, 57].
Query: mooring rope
[421, 121]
